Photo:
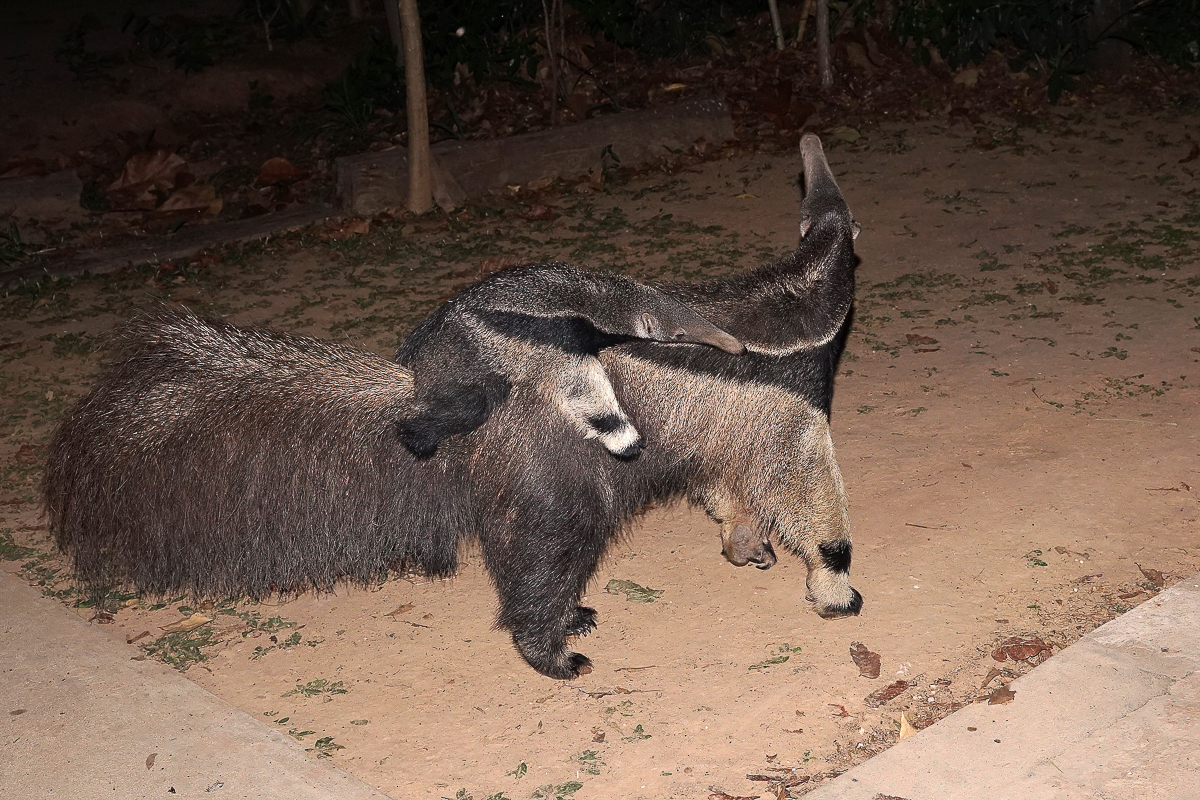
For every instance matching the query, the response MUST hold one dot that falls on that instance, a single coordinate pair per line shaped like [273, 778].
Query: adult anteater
[222, 461]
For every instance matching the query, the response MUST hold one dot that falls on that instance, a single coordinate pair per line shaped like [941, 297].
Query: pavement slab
[82, 720]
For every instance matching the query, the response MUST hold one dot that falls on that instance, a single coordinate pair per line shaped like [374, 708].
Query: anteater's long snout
[701, 331]
[822, 197]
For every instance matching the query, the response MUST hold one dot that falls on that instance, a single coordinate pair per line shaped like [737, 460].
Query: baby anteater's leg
[582, 391]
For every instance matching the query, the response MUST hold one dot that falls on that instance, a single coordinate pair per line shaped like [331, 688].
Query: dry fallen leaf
[992, 674]
[400, 610]
[344, 229]
[1152, 575]
[279, 170]
[880, 696]
[538, 213]
[841, 710]
[157, 168]
[723, 796]
[26, 456]
[906, 727]
[867, 662]
[916, 339]
[188, 624]
[193, 197]
[150, 760]
[23, 167]
[1018, 649]
[1001, 696]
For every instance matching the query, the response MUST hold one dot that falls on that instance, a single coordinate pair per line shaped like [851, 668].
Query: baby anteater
[538, 328]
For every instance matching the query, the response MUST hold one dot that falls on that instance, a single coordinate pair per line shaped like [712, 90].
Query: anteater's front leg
[810, 515]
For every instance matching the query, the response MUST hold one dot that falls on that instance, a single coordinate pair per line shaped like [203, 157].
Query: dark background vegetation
[488, 71]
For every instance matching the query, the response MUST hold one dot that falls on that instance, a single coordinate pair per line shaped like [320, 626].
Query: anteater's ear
[649, 326]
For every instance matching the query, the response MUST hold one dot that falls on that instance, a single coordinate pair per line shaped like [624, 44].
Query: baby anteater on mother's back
[538, 328]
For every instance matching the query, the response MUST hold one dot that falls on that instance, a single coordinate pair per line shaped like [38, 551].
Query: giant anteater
[220, 460]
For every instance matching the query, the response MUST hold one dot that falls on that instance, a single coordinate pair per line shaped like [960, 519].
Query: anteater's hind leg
[452, 406]
[541, 546]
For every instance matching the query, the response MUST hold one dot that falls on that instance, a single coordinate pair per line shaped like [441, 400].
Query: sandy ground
[1015, 421]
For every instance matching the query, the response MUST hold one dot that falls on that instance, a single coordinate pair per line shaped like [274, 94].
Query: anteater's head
[823, 204]
[667, 320]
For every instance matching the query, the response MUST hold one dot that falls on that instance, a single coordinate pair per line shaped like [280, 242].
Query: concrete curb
[80, 719]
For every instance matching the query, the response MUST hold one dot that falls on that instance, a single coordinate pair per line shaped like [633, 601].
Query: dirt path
[1015, 420]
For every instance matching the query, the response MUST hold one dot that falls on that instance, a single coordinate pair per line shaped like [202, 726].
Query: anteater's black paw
[583, 623]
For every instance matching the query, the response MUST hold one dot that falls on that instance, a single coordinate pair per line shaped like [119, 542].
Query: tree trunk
[823, 44]
[775, 23]
[392, 10]
[420, 182]
[805, 12]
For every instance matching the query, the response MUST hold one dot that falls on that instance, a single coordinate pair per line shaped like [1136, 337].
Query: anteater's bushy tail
[216, 461]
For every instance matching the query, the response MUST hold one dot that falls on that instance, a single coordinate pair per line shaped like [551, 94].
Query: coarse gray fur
[219, 460]
[538, 328]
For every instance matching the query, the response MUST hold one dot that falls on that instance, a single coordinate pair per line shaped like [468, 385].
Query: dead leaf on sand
[723, 796]
[1018, 649]
[26, 455]
[193, 197]
[150, 760]
[344, 229]
[497, 263]
[1152, 575]
[538, 213]
[400, 610]
[634, 592]
[880, 696]
[993, 673]
[156, 168]
[906, 727]
[841, 710]
[866, 661]
[1001, 696]
[187, 624]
